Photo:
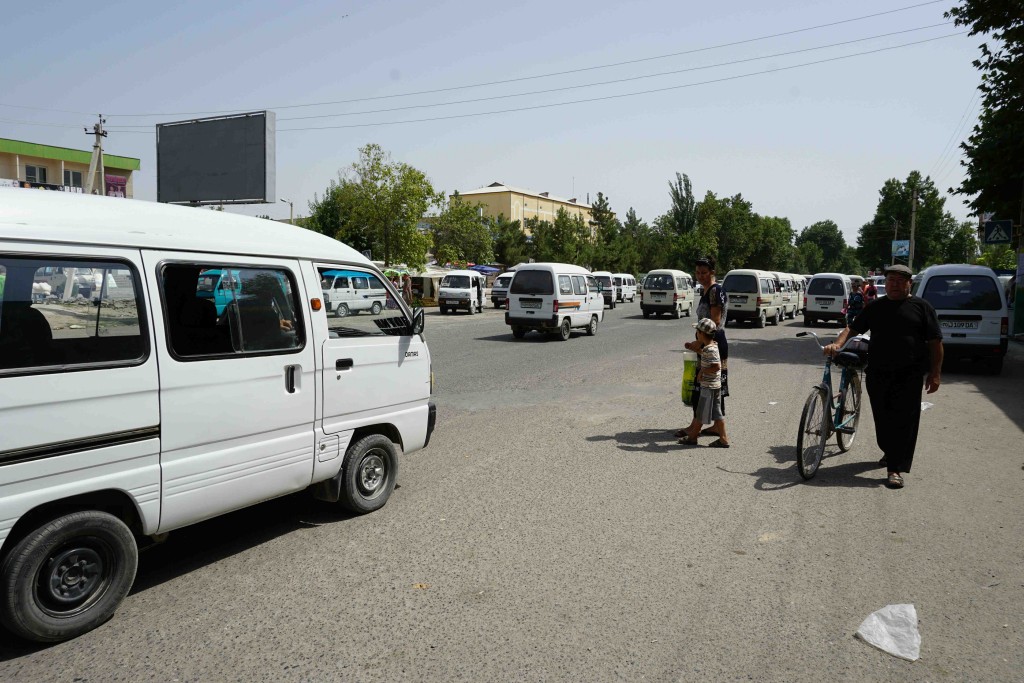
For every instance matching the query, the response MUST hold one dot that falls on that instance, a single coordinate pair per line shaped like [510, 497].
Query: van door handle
[289, 378]
[343, 364]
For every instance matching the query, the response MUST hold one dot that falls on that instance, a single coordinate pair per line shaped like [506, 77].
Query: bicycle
[844, 409]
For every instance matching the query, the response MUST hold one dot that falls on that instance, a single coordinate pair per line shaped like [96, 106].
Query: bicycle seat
[849, 359]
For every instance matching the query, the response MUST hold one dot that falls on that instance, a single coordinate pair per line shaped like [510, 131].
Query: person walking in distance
[407, 289]
[856, 303]
[709, 406]
[711, 305]
[905, 354]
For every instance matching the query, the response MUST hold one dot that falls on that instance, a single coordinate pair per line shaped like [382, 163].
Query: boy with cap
[709, 406]
[906, 354]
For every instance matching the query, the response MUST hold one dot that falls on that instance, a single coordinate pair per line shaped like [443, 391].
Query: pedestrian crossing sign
[998, 232]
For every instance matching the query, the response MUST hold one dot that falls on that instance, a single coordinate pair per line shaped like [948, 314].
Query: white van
[753, 295]
[499, 290]
[462, 289]
[826, 298]
[971, 306]
[799, 286]
[125, 417]
[668, 291]
[553, 298]
[609, 290]
[791, 299]
[626, 285]
[352, 291]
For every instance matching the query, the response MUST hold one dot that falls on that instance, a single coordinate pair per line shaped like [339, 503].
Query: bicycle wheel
[810, 442]
[849, 412]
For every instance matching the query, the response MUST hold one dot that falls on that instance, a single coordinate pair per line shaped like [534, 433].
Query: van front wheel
[375, 309]
[369, 474]
[67, 576]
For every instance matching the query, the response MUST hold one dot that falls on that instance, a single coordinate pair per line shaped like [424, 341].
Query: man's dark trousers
[896, 406]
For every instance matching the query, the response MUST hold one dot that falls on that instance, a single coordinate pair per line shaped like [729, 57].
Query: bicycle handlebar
[811, 334]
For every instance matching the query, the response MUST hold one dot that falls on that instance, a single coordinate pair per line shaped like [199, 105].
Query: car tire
[995, 365]
[565, 330]
[518, 332]
[369, 474]
[342, 311]
[676, 314]
[762, 319]
[778, 317]
[444, 311]
[67, 576]
[472, 308]
[647, 314]
[808, 321]
[376, 308]
[592, 327]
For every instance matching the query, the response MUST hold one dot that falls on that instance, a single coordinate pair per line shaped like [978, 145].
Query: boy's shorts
[709, 407]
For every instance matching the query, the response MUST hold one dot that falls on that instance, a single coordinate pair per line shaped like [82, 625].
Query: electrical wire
[949, 152]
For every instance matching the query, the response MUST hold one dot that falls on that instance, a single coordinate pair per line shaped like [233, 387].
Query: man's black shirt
[900, 331]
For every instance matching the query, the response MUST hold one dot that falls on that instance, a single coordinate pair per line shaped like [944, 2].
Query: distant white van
[668, 291]
[554, 298]
[626, 284]
[352, 291]
[826, 298]
[970, 303]
[462, 289]
[128, 415]
[791, 299]
[753, 295]
[499, 289]
[609, 290]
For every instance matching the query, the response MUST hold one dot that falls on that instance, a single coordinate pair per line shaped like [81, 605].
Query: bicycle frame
[825, 386]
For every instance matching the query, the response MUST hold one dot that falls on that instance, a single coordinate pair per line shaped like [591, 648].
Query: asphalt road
[553, 530]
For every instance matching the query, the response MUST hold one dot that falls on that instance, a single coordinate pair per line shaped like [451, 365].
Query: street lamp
[291, 211]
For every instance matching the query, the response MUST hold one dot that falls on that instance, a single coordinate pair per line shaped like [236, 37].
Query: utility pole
[96, 163]
[913, 224]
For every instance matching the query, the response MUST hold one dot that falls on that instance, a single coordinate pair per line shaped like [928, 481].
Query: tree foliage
[460, 233]
[376, 204]
[511, 246]
[994, 172]
[895, 203]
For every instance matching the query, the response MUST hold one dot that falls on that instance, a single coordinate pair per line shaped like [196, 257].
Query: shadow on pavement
[643, 441]
[832, 472]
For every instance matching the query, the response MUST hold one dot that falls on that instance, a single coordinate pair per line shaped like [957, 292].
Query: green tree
[812, 258]
[681, 218]
[376, 204]
[895, 203]
[605, 254]
[460, 233]
[994, 150]
[831, 245]
[637, 233]
[510, 244]
[736, 228]
[773, 244]
[998, 256]
[962, 246]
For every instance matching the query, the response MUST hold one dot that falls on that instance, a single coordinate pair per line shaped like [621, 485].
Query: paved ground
[553, 530]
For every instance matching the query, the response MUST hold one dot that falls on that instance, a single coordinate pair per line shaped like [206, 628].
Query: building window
[73, 178]
[35, 174]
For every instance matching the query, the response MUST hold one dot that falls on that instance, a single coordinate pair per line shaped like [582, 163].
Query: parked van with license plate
[553, 298]
[826, 298]
[971, 306]
[753, 295]
[189, 414]
[462, 289]
[668, 291]
[499, 290]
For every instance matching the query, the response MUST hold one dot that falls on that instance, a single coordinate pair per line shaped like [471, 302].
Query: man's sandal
[895, 481]
[718, 443]
[687, 441]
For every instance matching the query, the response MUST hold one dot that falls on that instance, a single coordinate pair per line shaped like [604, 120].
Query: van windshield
[740, 284]
[532, 282]
[604, 280]
[826, 286]
[962, 293]
[502, 282]
[456, 281]
[659, 282]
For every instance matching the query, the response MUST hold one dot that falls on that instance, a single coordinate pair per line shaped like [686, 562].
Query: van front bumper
[532, 323]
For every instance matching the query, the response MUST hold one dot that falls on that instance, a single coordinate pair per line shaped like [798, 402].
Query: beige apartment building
[516, 204]
[29, 164]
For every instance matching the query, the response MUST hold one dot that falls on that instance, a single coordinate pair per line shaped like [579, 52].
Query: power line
[598, 83]
[505, 81]
[624, 95]
[940, 161]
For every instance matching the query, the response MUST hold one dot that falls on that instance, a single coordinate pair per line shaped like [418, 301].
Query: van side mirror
[418, 321]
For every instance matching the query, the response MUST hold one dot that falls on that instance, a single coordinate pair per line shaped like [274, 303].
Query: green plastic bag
[691, 364]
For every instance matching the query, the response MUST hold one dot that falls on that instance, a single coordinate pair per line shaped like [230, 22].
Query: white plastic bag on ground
[893, 629]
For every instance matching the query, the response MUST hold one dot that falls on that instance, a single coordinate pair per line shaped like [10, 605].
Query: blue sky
[809, 143]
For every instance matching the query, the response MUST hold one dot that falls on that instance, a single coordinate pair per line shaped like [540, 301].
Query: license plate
[452, 301]
[959, 324]
[825, 302]
[738, 299]
[529, 304]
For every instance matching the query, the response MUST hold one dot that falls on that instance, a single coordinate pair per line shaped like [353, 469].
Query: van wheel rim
[372, 472]
[70, 579]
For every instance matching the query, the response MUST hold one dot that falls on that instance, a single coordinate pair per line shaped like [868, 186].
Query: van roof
[553, 267]
[64, 217]
[749, 271]
[957, 268]
[471, 273]
[838, 275]
[668, 271]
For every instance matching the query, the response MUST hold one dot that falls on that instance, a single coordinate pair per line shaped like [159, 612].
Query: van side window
[368, 309]
[341, 282]
[564, 284]
[579, 285]
[57, 313]
[255, 311]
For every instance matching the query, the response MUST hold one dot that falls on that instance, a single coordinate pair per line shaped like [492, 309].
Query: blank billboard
[217, 160]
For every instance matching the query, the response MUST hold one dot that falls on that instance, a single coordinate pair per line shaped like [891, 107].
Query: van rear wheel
[778, 317]
[341, 311]
[762, 319]
[647, 314]
[369, 474]
[565, 331]
[518, 332]
[592, 327]
[67, 576]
